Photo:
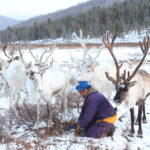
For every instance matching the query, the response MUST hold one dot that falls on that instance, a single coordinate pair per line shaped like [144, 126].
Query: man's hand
[79, 131]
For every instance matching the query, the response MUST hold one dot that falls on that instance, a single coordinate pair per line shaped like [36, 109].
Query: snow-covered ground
[23, 138]
[132, 37]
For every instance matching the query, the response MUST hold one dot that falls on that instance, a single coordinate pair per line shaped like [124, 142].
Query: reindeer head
[36, 71]
[33, 77]
[123, 82]
[122, 91]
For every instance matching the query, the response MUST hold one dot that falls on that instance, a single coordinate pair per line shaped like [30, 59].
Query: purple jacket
[95, 107]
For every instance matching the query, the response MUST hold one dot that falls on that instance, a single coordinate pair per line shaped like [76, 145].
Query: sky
[25, 9]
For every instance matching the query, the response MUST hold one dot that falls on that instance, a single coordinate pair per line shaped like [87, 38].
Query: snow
[133, 36]
[67, 140]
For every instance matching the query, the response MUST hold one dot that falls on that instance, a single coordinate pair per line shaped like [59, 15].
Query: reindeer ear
[132, 83]
[114, 83]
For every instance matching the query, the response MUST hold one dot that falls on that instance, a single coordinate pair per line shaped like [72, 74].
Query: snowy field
[130, 37]
[22, 137]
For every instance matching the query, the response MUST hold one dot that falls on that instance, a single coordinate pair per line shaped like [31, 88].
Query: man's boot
[111, 131]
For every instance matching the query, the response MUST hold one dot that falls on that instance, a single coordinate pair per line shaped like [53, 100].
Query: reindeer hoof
[131, 134]
[49, 128]
[35, 128]
[140, 135]
[144, 121]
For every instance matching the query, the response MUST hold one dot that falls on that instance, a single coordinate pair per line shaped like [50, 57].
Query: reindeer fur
[52, 82]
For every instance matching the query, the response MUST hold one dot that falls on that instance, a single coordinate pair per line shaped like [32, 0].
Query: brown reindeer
[131, 88]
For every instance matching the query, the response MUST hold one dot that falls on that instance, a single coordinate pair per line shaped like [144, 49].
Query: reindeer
[45, 83]
[14, 73]
[132, 89]
[92, 70]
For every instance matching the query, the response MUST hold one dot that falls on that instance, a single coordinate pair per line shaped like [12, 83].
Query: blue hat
[82, 85]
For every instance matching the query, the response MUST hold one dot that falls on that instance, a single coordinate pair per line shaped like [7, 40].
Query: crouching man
[97, 114]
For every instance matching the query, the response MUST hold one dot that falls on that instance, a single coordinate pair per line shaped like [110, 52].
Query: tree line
[118, 18]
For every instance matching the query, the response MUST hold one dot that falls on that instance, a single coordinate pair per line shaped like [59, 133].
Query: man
[97, 115]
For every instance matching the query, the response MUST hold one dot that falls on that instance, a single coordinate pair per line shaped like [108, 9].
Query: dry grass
[25, 115]
[77, 45]
[73, 45]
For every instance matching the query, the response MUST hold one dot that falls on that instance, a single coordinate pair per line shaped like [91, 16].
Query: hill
[74, 10]
[6, 21]
[117, 16]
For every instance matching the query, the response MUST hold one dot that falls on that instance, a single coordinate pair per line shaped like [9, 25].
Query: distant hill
[94, 17]
[6, 21]
[74, 10]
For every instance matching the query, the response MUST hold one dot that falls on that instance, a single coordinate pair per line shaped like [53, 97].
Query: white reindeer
[14, 74]
[93, 71]
[53, 82]
[132, 89]
[45, 84]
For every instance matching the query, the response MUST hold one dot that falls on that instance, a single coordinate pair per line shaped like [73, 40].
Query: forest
[118, 18]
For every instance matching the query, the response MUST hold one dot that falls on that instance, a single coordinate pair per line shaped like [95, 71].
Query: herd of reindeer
[43, 79]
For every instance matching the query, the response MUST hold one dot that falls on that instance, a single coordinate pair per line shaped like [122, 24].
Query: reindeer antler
[4, 50]
[82, 42]
[86, 50]
[144, 47]
[13, 47]
[21, 56]
[50, 51]
[30, 50]
[109, 46]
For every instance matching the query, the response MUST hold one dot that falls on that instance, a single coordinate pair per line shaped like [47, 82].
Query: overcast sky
[24, 9]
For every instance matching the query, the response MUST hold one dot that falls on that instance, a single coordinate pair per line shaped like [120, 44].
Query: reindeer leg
[49, 111]
[64, 103]
[144, 114]
[137, 120]
[132, 122]
[19, 100]
[140, 107]
[11, 98]
[37, 116]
